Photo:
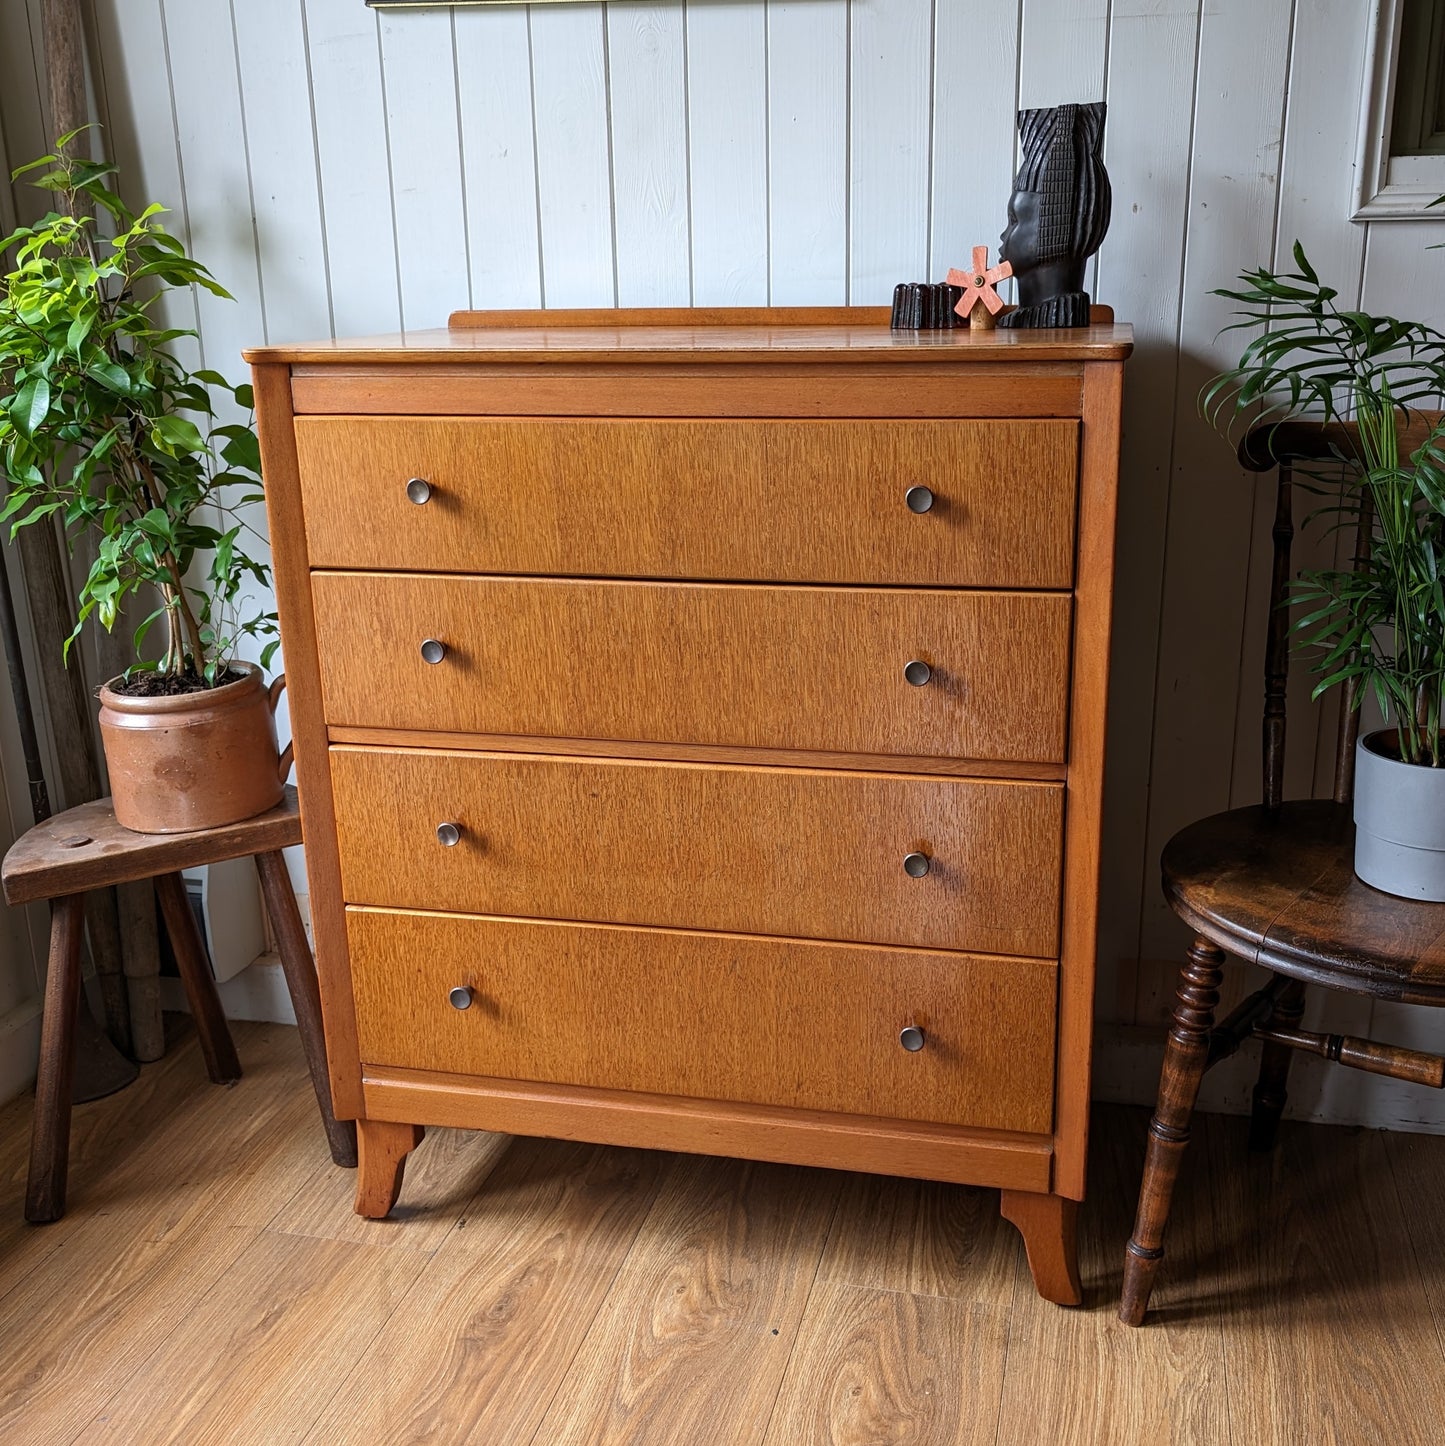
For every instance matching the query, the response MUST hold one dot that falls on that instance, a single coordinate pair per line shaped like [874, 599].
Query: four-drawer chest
[699, 723]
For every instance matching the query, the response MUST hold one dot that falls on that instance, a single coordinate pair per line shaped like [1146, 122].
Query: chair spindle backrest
[1266, 446]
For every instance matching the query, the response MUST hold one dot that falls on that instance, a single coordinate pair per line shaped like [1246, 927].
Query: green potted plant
[103, 425]
[1382, 623]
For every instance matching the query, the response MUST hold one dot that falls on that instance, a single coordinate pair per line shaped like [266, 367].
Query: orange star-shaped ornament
[978, 287]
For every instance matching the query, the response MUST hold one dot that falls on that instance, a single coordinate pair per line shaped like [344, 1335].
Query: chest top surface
[680, 335]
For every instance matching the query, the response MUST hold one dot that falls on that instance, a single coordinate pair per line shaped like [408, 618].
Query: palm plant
[1382, 623]
[102, 423]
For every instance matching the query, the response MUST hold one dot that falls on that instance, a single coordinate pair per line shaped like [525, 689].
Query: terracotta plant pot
[195, 760]
[1399, 821]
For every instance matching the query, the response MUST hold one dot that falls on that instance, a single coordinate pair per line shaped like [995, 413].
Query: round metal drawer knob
[919, 499]
[911, 1038]
[461, 998]
[916, 866]
[448, 835]
[917, 672]
[433, 651]
[419, 490]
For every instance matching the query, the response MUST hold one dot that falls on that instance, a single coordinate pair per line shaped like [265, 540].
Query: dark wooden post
[1276, 652]
[122, 925]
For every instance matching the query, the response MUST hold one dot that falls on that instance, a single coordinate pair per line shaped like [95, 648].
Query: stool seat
[1277, 887]
[85, 848]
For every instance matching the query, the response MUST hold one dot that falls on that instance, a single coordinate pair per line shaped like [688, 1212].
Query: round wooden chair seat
[1278, 888]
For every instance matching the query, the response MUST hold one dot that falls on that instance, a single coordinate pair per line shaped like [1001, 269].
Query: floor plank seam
[602, 1299]
[164, 1339]
[802, 1317]
[1020, 1268]
[28, 1270]
[1437, 1315]
[361, 1355]
[430, 1257]
[1207, 1130]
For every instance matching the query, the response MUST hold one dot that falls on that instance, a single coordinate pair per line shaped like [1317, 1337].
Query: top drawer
[767, 501]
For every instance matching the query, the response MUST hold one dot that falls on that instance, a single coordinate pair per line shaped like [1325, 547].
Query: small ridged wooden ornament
[980, 302]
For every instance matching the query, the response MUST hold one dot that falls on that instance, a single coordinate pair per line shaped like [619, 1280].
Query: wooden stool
[85, 848]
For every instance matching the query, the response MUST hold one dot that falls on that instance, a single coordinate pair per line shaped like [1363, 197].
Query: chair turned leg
[300, 971]
[217, 1047]
[382, 1148]
[1049, 1226]
[1271, 1092]
[1186, 1056]
[50, 1133]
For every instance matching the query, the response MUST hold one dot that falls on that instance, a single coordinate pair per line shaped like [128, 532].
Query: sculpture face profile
[1057, 215]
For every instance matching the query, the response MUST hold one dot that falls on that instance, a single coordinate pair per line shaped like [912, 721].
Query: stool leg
[300, 971]
[1271, 1091]
[50, 1134]
[216, 1044]
[1186, 1057]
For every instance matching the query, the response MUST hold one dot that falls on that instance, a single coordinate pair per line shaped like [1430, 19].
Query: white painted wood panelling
[428, 194]
[217, 212]
[1147, 145]
[351, 172]
[648, 96]
[1234, 174]
[353, 167]
[807, 152]
[271, 59]
[499, 154]
[574, 155]
[727, 152]
[889, 145]
[1064, 48]
[975, 78]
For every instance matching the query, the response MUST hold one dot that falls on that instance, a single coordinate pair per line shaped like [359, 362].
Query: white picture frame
[1390, 188]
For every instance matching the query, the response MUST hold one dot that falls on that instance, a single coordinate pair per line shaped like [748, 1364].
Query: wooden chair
[85, 848]
[1275, 885]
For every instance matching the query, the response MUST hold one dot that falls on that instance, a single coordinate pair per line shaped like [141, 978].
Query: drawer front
[802, 853]
[765, 667]
[785, 501]
[709, 1016]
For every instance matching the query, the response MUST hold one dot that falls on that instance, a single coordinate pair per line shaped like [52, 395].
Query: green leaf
[241, 450]
[30, 405]
[176, 435]
[80, 328]
[112, 376]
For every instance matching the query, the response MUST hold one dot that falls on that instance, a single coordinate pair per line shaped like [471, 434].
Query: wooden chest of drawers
[699, 727]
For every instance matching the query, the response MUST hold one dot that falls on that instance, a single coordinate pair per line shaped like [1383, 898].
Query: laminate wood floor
[210, 1284]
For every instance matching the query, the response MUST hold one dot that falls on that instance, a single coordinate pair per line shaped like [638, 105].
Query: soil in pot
[168, 685]
[187, 759]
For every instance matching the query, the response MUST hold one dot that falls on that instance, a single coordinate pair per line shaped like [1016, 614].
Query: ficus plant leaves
[101, 422]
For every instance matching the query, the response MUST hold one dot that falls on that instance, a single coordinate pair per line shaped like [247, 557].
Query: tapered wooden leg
[1271, 1091]
[382, 1148]
[50, 1132]
[1049, 1226]
[1186, 1056]
[300, 970]
[217, 1047]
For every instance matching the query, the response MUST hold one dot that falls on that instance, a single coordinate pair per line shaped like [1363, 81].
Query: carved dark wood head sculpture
[1057, 215]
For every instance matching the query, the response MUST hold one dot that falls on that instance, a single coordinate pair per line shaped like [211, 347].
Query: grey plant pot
[1399, 823]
